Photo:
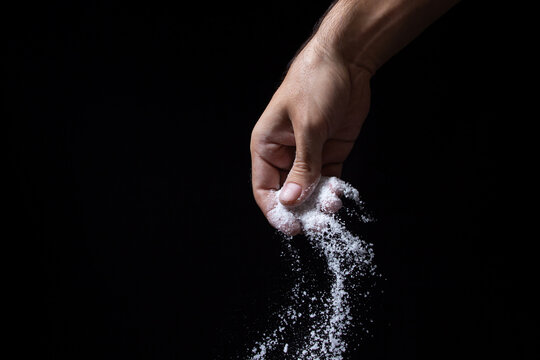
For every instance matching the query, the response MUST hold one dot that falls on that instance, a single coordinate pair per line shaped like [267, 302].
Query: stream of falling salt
[319, 321]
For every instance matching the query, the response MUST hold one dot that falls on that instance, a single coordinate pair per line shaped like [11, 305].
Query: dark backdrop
[130, 202]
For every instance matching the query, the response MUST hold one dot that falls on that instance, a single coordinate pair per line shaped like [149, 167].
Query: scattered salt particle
[347, 258]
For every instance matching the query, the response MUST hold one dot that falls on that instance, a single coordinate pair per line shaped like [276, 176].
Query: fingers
[284, 221]
[331, 206]
[292, 153]
[334, 154]
[306, 170]
[265, 181]
[268, 158]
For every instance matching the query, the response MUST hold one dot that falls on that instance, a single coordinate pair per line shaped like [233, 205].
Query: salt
[347, 256]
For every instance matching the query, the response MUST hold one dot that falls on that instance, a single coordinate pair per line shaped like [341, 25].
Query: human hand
[310, 125]
[308, 129]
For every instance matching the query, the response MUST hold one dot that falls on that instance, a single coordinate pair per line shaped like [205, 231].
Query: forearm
[366, 33]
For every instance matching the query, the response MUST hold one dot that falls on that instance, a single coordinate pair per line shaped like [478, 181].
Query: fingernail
[290, 193]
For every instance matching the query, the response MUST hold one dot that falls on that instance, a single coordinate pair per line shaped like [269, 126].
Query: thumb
[306, 170]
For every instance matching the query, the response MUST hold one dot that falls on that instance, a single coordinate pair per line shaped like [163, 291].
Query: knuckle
[302, 167]
[308, 122]
[309, 118]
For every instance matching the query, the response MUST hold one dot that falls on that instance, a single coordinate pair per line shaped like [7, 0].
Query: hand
[309, 127]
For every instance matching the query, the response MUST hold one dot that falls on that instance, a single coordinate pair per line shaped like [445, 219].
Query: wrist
[366, 33]
[357, 65]
[347, 32]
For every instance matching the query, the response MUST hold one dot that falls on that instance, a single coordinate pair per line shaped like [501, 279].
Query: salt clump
[315, 212]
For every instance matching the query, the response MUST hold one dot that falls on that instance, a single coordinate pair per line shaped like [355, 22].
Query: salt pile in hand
[324, 322]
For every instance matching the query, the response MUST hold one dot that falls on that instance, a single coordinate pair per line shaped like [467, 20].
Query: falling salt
[321, 335]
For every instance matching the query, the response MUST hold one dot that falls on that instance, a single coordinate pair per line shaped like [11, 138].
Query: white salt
[346, 255]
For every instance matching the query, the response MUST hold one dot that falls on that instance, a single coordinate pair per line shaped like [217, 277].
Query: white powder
[319, 334]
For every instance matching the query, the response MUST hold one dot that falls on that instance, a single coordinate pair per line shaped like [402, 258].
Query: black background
[130, 199]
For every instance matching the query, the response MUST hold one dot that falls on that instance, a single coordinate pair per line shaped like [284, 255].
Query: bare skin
[311, 123]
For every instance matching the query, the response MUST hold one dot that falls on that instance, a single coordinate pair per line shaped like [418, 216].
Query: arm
[309, 126]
